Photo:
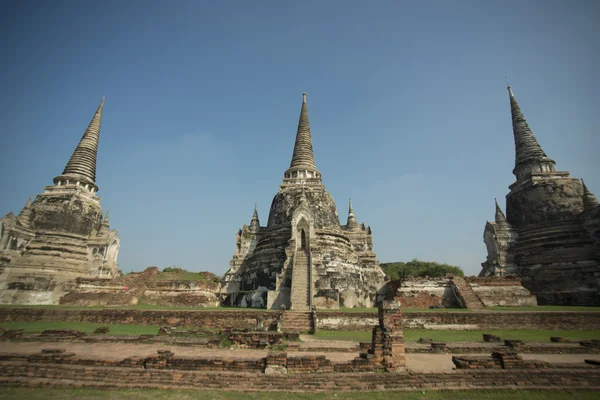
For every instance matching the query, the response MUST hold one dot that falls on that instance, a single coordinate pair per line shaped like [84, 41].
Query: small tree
[419, 269]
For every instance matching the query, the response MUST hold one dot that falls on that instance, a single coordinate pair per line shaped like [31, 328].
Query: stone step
[294, 321]
[300, 282]
[469, 297]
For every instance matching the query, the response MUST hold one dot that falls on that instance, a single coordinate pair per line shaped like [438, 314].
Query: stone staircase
[465, 293]
[300, 280]
[297, 321]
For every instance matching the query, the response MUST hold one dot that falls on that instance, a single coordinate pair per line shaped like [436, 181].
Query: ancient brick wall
[465, 320]
[499, 291]
[40, 374]
[567, 320]
[133, 288]
[437, 292]
[209, 319]
[426, 292]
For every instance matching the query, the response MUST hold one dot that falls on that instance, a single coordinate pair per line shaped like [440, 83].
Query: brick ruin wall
[307, 373]
[330, 320]
[142, 288]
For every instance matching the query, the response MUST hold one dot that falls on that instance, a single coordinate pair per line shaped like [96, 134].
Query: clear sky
[407, 102]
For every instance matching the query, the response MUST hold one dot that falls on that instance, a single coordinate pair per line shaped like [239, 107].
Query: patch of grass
[413, 335]
[527, 335]
[545, 308]
[143, 306]
[180, 276]
[119, 330]
[52, 306]
[355, 336]
[139, 306]
[11, 393]
[374, 310]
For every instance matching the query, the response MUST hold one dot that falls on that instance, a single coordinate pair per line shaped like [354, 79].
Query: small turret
[500, 217]
[104, 226]
[351, 224]
[255, 223]
[24, 217]
[590, 202]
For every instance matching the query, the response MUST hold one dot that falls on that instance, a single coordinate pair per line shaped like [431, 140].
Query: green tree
[418, 269]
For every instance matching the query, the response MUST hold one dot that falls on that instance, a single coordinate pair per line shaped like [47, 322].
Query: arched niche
[302, 234]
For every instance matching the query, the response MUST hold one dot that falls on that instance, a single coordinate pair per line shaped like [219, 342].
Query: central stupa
[304, 257]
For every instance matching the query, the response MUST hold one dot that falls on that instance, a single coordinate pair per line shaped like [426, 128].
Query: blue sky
[407, 101]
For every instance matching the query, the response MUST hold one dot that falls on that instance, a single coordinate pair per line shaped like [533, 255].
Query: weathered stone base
[20, 286]
[580, 297]
[568, 284]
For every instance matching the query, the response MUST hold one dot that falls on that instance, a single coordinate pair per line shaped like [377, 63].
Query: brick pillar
[390, 322]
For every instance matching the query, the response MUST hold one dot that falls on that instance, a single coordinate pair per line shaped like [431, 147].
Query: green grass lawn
[95, 394]
[413, 335]
[121, 330]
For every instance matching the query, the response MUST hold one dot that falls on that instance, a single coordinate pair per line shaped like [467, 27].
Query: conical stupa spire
[527, 148]
[303, 152]
[589, 200]
[255, 223]
[24, 216]
[500, 217]
[351, 223]
[303, 164]
[82, 164]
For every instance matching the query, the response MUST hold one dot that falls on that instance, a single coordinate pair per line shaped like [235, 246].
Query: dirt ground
[415, 362]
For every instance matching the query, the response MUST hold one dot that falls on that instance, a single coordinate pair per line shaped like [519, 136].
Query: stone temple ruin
[61, 235]
[551, 232]
[60, 249]
[303, 257]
